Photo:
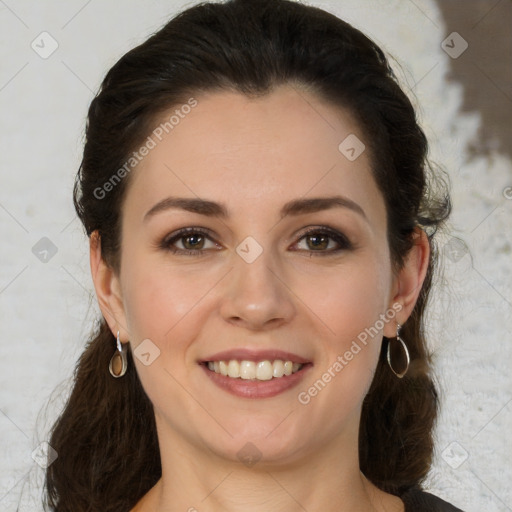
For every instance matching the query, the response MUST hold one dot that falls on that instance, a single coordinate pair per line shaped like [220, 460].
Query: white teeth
[278, 368]
[250, 370]
[264, 370]
[234, 369]
[247, 370]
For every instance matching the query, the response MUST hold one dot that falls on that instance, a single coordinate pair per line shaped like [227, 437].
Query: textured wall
[46, 301]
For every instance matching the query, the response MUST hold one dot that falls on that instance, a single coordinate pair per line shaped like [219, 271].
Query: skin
[254, 155]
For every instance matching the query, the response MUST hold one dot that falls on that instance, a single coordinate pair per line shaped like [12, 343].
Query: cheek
[352, 310]
[351, 300]
[164, 305]
[157, 300]
[168, 304]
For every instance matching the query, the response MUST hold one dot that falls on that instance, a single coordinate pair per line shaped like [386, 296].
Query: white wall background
[46, 309]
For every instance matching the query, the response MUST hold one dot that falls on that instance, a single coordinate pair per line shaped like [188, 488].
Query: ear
[108, 289]
[409, 281]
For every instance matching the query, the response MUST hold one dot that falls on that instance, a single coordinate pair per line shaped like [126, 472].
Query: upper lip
[243, 354]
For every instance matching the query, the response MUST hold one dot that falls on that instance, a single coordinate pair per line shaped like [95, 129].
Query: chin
[261, 442]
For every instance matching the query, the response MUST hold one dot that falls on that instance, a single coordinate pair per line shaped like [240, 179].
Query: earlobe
[107, 287]
[411, 277]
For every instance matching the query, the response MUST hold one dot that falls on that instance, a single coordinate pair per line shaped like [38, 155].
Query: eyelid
[335, 234]
[338, 236]
[182, 233]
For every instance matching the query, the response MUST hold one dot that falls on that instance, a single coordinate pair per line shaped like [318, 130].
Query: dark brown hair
[106, 440]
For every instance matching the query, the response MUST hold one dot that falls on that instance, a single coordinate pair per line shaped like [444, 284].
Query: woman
[261, 217]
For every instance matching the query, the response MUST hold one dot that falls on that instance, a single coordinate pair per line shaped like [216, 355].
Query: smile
[250, 373]
[254, 370]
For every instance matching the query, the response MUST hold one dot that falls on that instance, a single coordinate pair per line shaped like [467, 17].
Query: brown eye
[318, 241]
[191, 240]
[325, 241]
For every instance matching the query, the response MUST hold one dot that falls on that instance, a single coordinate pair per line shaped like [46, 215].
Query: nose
[257, 296]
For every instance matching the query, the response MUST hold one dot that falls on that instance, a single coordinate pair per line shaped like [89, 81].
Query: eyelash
[340, 238]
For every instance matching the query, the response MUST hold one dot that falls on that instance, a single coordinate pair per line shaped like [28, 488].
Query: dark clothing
[421, 501]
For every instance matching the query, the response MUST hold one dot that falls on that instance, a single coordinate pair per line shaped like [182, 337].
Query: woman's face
[256, 286]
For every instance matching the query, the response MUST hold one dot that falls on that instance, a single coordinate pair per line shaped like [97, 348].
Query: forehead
[253, 152]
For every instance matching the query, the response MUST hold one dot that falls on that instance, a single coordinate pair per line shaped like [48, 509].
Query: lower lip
[257, 388]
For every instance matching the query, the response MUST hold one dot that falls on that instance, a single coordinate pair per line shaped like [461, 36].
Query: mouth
[255, 375]
[254, 370]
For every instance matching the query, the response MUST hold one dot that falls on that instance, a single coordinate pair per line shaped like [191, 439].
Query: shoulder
[416, 500]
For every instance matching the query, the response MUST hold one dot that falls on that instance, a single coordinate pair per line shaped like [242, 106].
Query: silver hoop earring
[404, 347]
[119, 362]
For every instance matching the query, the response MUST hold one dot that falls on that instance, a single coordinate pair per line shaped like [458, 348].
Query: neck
[194, 480]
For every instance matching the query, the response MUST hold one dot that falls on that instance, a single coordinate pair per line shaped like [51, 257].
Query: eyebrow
[293, 208]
